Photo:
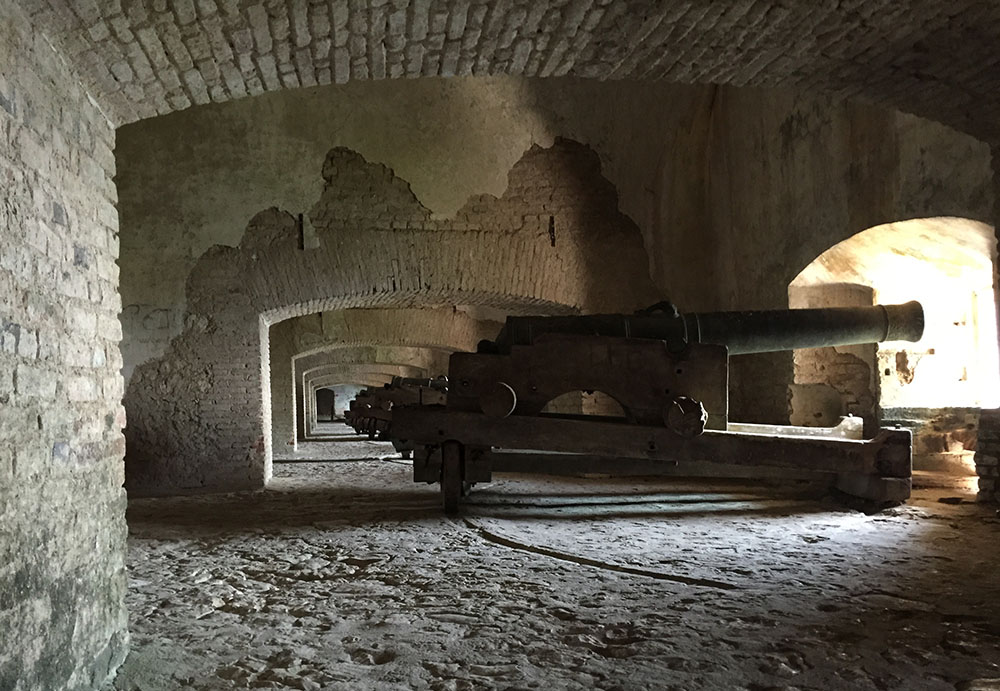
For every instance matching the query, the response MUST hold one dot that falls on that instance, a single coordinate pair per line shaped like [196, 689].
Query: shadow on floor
[293, 504]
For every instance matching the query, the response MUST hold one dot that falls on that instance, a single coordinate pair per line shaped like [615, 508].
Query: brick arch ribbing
[957, 221]
[426, 357]
[199, 416]
[288, 360]
[323, 376]
[383, 334]
[360, 381]
[146, 58]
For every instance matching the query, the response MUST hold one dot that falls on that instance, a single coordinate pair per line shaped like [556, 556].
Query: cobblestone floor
[346, 575]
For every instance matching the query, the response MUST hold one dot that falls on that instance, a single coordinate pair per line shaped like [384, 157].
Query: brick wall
[196, 414]
[62, 527]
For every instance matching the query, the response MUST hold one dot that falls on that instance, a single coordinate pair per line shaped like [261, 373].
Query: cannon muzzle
[742, 332]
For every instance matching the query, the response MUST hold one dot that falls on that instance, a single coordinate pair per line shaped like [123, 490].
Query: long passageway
[345, 575]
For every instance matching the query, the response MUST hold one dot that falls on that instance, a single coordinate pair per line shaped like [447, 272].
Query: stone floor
[346, 575]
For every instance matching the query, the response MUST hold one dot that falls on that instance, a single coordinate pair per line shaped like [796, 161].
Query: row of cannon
[668, 372]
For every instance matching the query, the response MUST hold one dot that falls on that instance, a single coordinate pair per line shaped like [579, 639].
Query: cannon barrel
[742, 332]
[440, 383]
[773, 330]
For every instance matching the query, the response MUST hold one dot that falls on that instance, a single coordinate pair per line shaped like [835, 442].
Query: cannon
[669, 373]
[370, 412]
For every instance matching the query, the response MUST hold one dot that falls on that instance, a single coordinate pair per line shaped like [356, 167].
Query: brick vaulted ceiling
[936, 58]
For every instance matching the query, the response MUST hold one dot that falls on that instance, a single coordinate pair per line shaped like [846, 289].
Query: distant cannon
[669, 373]
[370, 412]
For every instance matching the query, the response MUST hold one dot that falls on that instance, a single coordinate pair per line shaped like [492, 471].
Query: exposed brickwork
[148, 57]
[62, 527]
[196, 415]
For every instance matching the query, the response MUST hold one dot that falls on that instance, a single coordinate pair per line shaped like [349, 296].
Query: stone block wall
[62, 527]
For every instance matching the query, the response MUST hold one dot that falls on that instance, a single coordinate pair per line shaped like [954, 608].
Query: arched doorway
[936, 386]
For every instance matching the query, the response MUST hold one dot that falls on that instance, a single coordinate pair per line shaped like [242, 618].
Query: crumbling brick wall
[833, 382]
[196, 414]
[62, 524]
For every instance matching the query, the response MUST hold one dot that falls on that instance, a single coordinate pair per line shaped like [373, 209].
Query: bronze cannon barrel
[742, 332]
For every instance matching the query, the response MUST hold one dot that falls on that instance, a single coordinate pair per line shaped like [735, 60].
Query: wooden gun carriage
[370, 412]
[669, 373]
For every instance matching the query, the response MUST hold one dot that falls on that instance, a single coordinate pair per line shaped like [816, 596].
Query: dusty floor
[346, 575]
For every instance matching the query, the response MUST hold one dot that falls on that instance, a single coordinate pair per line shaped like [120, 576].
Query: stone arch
[346, 389]
[429, 357]
[935, 386]
[199, 417]
[913, 190]
[384, 372]
[382, 331]
[326, 403]
[961, 218]
[445, 327]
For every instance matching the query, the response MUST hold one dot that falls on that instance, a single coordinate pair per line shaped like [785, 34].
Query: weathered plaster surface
[789, 177]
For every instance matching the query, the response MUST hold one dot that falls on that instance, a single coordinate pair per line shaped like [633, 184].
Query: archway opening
[326, 399]
[590, 403]
[936, 386]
